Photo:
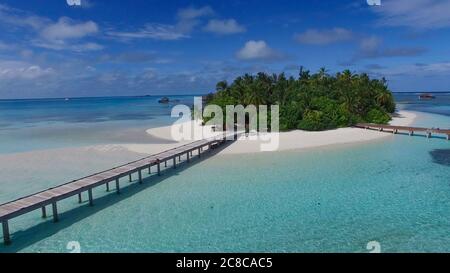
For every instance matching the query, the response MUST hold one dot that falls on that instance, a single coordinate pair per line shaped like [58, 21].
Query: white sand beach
[46, 168]
[293, 140]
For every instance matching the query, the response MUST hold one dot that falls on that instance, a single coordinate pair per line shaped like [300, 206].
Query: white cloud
[324, 37]
[370, 44]
[66, 28]
[109, 78]
[86, 4]
[135, 57]
[443, 68]
[26, 53]
[152, 31]
[257, 50]
[22, 70]
[191, 13]
[372, 47]
[86, 47]
[65, 34]
[20, 18]
[64, 45]
[5, 46]
[186, 20]
[419, 70]
[229, 26]
[418, 14]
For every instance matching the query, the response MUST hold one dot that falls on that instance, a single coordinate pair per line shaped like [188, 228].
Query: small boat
[426, 96]
[164, 100]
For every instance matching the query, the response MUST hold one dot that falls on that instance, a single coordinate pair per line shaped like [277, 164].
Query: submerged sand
[27, 172]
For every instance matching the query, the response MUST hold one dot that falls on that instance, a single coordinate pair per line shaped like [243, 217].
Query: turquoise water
[37, 124]
[336, 199]
[409, 101]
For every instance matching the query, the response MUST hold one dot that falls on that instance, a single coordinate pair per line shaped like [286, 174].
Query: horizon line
[166, 95]
[99, 97]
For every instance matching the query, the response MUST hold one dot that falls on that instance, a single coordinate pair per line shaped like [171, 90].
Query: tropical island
[312, 102]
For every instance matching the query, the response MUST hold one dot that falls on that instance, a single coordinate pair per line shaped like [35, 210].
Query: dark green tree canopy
[312, 102]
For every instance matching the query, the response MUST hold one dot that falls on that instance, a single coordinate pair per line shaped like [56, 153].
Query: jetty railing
[51, 196]
[410, 130]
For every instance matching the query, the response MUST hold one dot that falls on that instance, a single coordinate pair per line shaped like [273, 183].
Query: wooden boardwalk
[410, 130]
[50, 197]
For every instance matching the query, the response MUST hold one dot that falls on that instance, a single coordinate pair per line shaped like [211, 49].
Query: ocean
[37, 124]
[394, 191]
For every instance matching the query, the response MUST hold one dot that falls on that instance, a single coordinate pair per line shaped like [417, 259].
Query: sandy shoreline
[46, 168]
[293, 140]
[298, 139]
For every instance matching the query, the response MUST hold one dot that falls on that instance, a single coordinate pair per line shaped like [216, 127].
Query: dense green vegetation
[312, 101]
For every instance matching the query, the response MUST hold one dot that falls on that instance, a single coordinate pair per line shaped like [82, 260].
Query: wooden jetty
[410, 130]
[50, 197]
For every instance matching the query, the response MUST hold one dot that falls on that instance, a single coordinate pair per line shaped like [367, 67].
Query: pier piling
[117, 186]
[6, 237]
[44, 212]
[55, 212]
[91, 200]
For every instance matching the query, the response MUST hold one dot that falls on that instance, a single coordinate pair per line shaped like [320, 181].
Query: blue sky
[110, 47]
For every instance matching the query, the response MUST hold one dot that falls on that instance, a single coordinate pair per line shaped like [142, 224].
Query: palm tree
[322, 73]
[221, 86]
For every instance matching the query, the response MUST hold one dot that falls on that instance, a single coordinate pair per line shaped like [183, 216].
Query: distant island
[312, 102]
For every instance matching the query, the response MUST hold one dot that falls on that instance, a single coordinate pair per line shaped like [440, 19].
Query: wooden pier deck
[50, 197]
[410, 130]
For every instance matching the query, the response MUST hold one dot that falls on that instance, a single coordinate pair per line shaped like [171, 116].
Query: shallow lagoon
[395, 191]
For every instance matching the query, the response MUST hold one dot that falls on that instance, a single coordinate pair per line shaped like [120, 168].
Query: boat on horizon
[164, 100]
[426, 96]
